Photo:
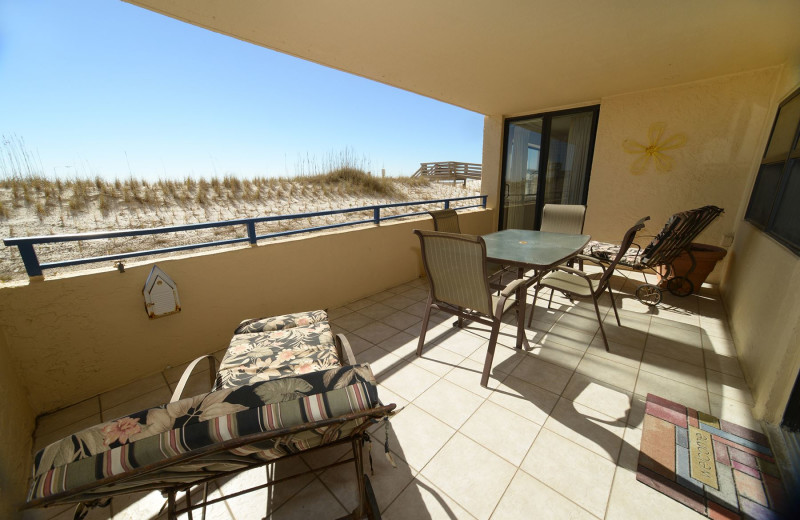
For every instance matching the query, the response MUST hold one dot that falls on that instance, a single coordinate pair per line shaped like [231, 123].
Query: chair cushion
[287, 321]
[261, 356]
[156, 435]
[607, 251]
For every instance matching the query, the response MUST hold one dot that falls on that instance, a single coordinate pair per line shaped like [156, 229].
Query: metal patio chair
[675, 237]
[446, 221]
[563, 218]
[576, 283]
[456, 268]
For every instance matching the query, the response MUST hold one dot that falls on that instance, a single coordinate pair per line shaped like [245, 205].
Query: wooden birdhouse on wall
[160, 294]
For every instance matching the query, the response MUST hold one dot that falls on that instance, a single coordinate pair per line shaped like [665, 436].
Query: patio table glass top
[532, 249]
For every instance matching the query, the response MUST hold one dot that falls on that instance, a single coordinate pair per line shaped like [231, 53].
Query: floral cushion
[287, 321]
[154, 436]
[607, 252]
[260, 356]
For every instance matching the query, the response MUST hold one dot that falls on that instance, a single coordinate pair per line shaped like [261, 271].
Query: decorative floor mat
[717, 468]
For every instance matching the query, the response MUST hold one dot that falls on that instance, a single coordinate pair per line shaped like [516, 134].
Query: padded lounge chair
[676, 237]
[285, 386]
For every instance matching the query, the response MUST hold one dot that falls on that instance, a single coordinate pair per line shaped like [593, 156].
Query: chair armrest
[512, 287]
[212, 370]
[570, 270]
[592, 259]
[343, 350]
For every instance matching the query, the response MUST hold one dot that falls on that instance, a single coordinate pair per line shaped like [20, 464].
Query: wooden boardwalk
[449, 171]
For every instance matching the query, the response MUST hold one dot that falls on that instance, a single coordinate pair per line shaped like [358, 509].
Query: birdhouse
[160, 294]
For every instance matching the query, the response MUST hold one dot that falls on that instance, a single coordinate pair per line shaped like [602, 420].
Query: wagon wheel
[374, 512]
[649, 294]
[680, 286]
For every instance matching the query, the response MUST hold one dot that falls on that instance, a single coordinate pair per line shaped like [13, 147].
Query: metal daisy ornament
[654, 151]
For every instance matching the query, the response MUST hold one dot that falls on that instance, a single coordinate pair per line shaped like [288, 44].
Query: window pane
[567, 161]
[524, 141]
[785, 131]
[764, 194]
[787, 217]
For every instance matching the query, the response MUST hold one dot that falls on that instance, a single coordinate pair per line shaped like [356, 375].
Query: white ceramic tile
[729, 387]
[541, 373]
[131, 390]
[449, 403]
[313, 501]
[691, 396]
[603, 369]
[530, 401]
[422, 499]
[409, 381]
[577, 473]
[501, 431]
[414, 435]
[595, 431]
[527, 497]
[674, 369]
[376, 332]
[470, 474]
[600, 396]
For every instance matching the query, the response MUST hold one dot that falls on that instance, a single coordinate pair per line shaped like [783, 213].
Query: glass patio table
[537, 250]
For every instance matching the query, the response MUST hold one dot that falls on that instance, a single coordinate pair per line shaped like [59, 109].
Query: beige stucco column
[492, 163]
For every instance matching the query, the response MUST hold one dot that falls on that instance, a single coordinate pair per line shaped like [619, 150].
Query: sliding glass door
[547, 160]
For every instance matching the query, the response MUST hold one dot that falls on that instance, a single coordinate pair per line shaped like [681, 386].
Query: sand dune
[96, 206]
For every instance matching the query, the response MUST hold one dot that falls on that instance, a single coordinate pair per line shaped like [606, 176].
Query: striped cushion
[156, 435]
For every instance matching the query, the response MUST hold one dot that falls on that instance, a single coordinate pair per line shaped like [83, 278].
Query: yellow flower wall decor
[654, 151]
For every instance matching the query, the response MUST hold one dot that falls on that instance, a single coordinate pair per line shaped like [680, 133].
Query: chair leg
[358, 460]
[171, 505]
[614, 305]
[600, 321]
[425, 319]
[550, 301]
[533, 305]
[487, 365]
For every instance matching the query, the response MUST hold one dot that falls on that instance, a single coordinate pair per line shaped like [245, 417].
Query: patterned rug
[717, 468]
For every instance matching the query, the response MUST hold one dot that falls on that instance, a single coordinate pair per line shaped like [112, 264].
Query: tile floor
[555, 436]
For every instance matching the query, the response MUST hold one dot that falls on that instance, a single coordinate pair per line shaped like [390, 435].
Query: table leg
[522, 297]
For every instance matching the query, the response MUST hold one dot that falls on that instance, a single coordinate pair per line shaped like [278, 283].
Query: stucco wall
[723, 121]
[760, 293]
[17, 420]
[75, 337]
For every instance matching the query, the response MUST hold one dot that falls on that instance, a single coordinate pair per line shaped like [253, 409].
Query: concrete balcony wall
[75, 336]
[760, 292]
[16, 432]
[724, 120]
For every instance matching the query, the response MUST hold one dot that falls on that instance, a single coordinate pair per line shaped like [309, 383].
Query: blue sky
[101, 87]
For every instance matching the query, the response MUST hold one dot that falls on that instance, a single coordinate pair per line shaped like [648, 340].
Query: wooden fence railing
[449, 171]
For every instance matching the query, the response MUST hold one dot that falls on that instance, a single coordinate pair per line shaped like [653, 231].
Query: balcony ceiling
[513, 56]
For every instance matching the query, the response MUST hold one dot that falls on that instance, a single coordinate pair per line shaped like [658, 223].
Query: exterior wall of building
[16, 432]
[723, 121]
[726, 122]
[76, 336]
[760, 293]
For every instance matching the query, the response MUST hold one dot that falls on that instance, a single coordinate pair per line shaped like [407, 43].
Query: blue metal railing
[34, 268]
